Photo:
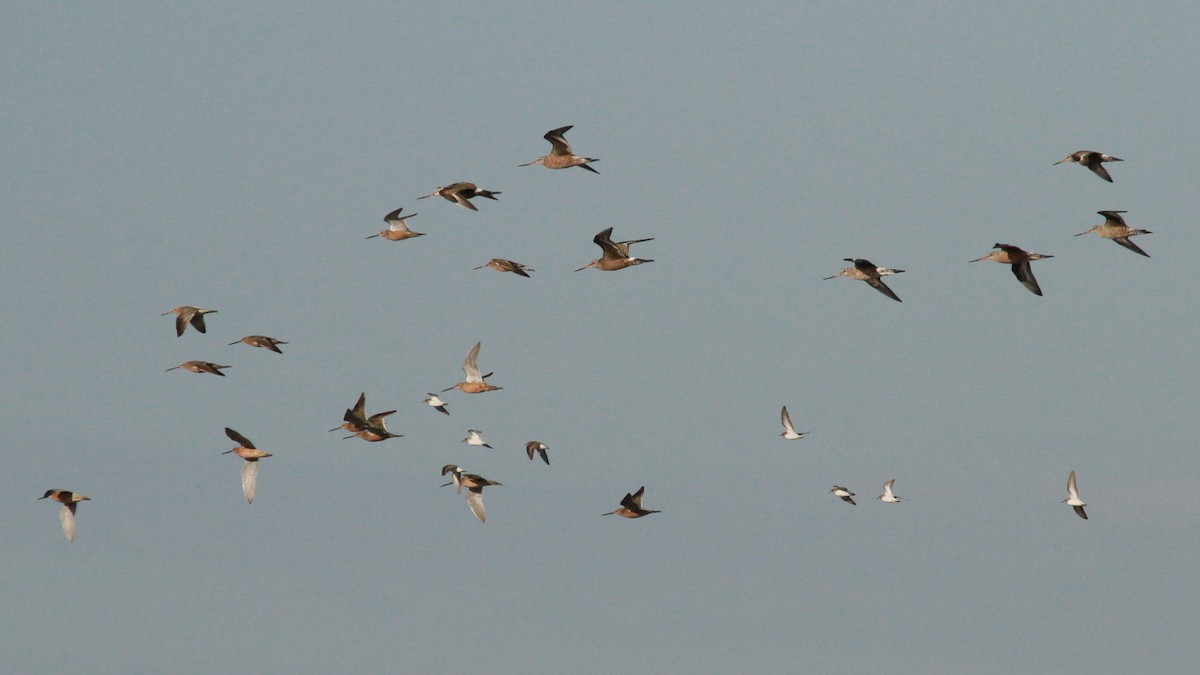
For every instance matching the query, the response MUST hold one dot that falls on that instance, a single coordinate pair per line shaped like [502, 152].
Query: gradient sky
[235, 156]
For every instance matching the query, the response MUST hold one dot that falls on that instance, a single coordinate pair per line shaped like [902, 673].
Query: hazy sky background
[236, 157]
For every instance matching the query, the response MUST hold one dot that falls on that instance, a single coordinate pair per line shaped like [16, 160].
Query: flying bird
[631, 506]
[865, 270]
[474, 484]
[502, 265]
[435, 402]
[561, 156]
[1073, 496]
[199, 367]
[189, 315]
[1092, 160]
[66, 515]
[246, 450]
[375, 429]
[475, 437]
[1019, 259]
[615, 254]
[1114, 228]
[461, 194]
[355, 419]
[789, 431]
[262, 341]
[846, 495]
[888, 497]
[474, 382]
[538, 447]
[397, 227]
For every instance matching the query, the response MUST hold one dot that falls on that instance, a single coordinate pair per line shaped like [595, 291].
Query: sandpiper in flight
[189, 315]
[397, 227]
[66, 515]
[560, 156]
[1019, 259]
[251, 454]
[865, 270]
[846, 495]
[461, 193]
[1073, 496]
[1092, 160]
[1114, 228]
[789, 431]
[631, 506]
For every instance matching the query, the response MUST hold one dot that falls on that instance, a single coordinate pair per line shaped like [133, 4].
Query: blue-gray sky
[236, 156]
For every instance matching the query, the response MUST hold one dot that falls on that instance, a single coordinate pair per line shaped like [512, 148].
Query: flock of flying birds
[1113, 228]
[614, 256]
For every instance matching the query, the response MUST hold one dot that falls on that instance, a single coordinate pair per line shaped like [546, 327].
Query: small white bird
[434, 401]
[888, 497]
[846, 495]
[475, 438]
[1073, 496]
[789, 431]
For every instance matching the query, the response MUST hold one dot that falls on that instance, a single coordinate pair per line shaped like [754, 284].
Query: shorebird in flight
[538, 447]
[1019, 259]
[189, 315]
[1092, 160]
[475, 437]
[789, 431]
[474, 484]
[502, 265]
[865, 270]
[631, 506]
[355, 419]
[262, 341]
[561, 156]
[615, 254]
[889, 497]
[846, 495]
[1073, 496]
[461, 194]
[199, 367]
[1114, 228]
[474, 384]
[435, 402]
[66, 515]
[375, 429]
[397, 227]
[246, 450]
